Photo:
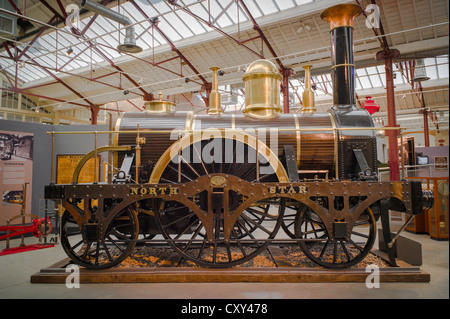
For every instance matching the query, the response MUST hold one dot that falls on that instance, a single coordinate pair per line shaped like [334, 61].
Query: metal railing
[419, 171]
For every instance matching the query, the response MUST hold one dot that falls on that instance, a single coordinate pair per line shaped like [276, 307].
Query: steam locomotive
[218, 187]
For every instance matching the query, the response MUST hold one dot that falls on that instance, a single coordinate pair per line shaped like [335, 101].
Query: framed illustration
[16, 171]
[66, 164]
[441, 162]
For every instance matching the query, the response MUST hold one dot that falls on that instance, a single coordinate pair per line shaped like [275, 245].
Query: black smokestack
[341, 19]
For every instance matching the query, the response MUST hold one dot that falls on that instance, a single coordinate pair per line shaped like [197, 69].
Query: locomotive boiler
[218, 187]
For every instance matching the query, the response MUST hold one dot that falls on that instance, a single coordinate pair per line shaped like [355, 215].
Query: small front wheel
[330, 252]
[85, 245]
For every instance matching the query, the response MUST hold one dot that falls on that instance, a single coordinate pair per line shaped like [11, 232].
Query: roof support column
[286, 73]
[394, 162]
[426, 132]
[94, 114]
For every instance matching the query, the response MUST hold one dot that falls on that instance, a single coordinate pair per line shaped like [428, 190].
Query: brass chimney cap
[341, 15]
[261, 67]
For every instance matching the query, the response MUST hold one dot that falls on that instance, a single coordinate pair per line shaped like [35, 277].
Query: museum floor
[15, 272]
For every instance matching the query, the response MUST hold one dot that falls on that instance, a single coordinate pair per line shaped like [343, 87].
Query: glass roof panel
[372, 70]
[383, 76]
[442, 67]
[357, 83]
[177, 26]
[267, 6]
[232, 11]
[363, 78]
[283, 4]
[254, 9]
[160, 6]
[431, 69]
[180, 25]
[375, 80]
[168, 30]
[194, 25]
[300, 2]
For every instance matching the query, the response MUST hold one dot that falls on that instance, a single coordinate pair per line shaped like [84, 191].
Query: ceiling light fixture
[303, 26]
[420, 73]
[129, 45]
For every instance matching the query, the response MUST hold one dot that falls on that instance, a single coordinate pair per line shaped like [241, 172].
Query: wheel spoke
[178, 220]
[345, 250]
[256, 224]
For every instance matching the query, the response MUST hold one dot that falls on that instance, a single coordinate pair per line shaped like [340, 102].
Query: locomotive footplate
[222, 215]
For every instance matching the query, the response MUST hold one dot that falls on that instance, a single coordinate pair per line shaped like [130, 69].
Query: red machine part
[37, 228]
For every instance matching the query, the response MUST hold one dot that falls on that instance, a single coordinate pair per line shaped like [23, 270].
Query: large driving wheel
[252, 229]
[249, 235]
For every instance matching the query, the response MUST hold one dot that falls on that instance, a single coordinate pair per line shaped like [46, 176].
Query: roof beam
[222, 32]
[262, 35]
[173, 47]
[90, 104]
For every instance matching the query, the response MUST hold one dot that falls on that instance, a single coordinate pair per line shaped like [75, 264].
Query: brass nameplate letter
[153, 191]
[288, 189]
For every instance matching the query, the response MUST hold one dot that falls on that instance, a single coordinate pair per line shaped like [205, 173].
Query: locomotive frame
[331, 209]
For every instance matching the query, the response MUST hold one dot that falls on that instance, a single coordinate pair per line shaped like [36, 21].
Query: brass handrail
[150, 131]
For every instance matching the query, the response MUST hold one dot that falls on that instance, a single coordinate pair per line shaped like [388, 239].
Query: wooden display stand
[282, 271]
[434, 221]
[419, 224]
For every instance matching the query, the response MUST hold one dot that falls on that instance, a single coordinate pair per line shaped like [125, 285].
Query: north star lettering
[154, 191]
[288, 189]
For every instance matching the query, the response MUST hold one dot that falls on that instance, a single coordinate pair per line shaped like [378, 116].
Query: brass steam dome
[262, 90]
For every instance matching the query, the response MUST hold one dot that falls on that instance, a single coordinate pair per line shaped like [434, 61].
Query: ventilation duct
[420, 74]
[129, 44]
[8, 23]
